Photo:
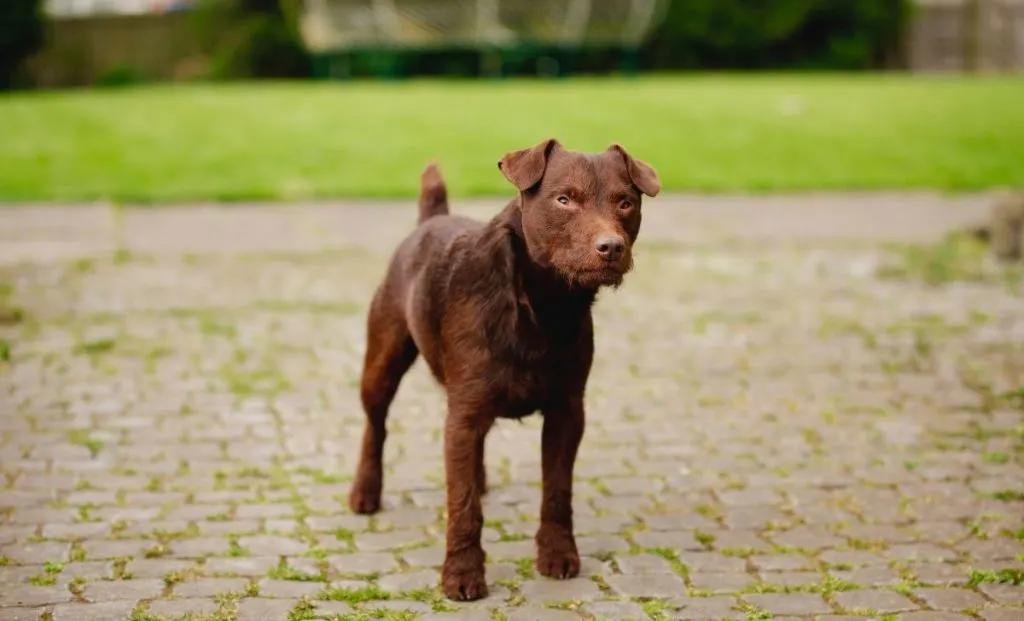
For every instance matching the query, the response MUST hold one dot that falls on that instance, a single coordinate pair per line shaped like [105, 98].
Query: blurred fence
[85, 50]
[501, 29]
[966, 35]
[944, 35]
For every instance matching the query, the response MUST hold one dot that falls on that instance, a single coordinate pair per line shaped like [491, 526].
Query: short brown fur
[501, 312]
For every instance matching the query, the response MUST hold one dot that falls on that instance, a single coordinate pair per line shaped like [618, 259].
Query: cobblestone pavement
[775, 430]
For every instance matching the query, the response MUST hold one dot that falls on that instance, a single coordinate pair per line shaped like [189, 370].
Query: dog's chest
[526, 390]
[536, 374]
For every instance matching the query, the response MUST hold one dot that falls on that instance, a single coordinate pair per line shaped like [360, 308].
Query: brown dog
[501, 313]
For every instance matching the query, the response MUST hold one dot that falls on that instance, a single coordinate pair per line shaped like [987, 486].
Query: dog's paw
[556, 554]
[463, 581]
[558, 564]
[364, 497]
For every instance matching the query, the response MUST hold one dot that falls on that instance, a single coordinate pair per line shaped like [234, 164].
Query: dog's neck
[546, 293]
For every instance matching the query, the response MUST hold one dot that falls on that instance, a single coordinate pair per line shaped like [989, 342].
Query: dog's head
[580, 211]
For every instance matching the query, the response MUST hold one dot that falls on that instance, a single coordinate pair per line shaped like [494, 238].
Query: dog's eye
[563, 199]
[625, 205]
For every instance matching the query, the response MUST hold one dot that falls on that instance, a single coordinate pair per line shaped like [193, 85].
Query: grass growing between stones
[524, 568]
[305, 609]
[372, 615]
[10, 315]
[286, 572]
[673, 559]
[955, 258]
[656, 609]
[82, 437]
[828, 586]
[368, 593]
[1010, 576]
[96, 347]
[752, 612]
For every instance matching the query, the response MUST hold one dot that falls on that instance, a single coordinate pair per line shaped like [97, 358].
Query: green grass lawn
[702, 133]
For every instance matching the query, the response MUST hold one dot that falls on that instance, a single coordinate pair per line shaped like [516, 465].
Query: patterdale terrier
[501, 312]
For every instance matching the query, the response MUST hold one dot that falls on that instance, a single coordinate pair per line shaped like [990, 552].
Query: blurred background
[160, 100]
[818, 367]
[54, 43]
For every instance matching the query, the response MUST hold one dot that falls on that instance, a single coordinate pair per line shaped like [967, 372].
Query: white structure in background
[329, 25]
[80, 8]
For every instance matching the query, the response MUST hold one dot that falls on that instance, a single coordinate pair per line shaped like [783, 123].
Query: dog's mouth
[605, 276]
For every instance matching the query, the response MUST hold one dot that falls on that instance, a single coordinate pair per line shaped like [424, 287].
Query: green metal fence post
[630, 61]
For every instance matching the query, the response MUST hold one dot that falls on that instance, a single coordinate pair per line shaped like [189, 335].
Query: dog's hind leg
[481, 469]
[390, 351]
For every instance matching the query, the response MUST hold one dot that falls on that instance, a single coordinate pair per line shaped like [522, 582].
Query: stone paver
[654, 585]
[950, 599]
[555, 591]
[880, 601]
[461, 615]
[615, 611]
[929, 615]
[769, 410]
[260, 609]
[176, 608]
[288, 589]
[330, 609]
[706, 608]
[540, 614]
[123, 589]
[210, 587]
[398, 606]
[21, 595]
[1005, 593]
[798, 604]
[119, 610]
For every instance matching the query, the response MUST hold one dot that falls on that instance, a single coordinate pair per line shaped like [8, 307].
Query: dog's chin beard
[593, 279]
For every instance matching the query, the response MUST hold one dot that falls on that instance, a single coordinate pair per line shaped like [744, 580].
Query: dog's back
[435, 228]
[414, 290]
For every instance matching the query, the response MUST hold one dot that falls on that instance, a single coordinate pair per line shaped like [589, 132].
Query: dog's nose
[611, 247]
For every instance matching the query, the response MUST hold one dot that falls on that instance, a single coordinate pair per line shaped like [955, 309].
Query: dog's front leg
[556, 545]
[462, 577]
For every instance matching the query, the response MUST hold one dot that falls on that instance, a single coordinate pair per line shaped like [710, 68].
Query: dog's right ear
[525, 168]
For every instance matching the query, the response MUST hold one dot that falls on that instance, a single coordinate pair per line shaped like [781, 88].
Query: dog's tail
[433, 194]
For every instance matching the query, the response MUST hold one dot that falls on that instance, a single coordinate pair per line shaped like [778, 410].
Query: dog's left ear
[525, 168]
[643, 176]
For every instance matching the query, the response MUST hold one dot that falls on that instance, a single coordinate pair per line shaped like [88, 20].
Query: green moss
[82, 437]
[43, 579]
[1008, 495]
[673, 559]
[524, 567]
[286, 572]
[1012, 576]
[368, 593]
[304, 609]
[53, 567]
[95, 348]
[995, 457]
[705, 539]
[236, 550]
